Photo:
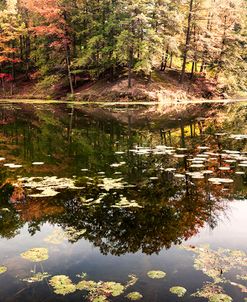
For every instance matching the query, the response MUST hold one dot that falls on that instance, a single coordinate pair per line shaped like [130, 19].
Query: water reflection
[93, 149]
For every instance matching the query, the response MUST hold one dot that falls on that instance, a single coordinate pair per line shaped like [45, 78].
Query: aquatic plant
[134, 296]
[3, 269]
[98, 290]
[62, 285]
[86, 285]
[214, 263]
[36, 254]
[111, 183]
[58, 236]
[156, 274]
[113, 288]
[100, 298]
[73, 234]
[132, 280]
[48, 185]
[178, 290]
[37, 277]
[124, 203]
[242, 277]
[212, 292]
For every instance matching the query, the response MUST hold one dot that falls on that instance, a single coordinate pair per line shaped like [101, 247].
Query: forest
[65, 44]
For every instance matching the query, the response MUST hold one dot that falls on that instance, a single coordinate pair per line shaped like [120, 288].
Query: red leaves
[6, 76]
[4, 59]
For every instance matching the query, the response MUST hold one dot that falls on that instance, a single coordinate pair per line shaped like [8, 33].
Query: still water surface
[111, 200]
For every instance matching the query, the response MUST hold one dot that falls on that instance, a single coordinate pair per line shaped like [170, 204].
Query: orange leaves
[7, 50]
[48, 30]
[49, 9]
[51, 22]
[4, 59]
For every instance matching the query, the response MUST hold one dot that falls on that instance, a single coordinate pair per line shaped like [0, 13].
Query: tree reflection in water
[172, 209]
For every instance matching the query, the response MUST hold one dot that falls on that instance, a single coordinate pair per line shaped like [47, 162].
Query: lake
[99, 205]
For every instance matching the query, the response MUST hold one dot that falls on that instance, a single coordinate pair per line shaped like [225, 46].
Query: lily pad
[114, 288]
[156, 274]
[242, 277]
[3, 269]
[62, 285]
[73, 234]
[56, 237]
[38, 163]
[215, 263]
[220, 298]
[212, 292]
[86, 285]
[178, 290]
[98, 290]
[37, 277]
[100, 298]
[36, 254]
[134, 296]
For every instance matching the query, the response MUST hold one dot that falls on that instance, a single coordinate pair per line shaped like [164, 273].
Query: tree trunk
[187, 42]
[21, 48]
[68, 68]
[27, 55]
[171, 57]
[219, 67]
[130, 67]
[192, 70]
[164, 60]
[202, 66]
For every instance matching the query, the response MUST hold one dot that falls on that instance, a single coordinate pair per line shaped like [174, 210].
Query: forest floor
[162, 87]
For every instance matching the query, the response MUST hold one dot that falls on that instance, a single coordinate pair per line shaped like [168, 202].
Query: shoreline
[110, 102]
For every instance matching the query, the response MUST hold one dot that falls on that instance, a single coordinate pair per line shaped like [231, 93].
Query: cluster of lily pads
[202, 165]
[96, 291]
[47, 186]
[217, 264]
[213, 263]
[17, 166]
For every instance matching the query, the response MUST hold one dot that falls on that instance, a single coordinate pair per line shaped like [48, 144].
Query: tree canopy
[59, 40]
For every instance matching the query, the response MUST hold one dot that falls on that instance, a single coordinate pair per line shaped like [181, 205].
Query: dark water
[99, 194]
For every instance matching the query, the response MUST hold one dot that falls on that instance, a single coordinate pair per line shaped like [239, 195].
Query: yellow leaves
[11, 6]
